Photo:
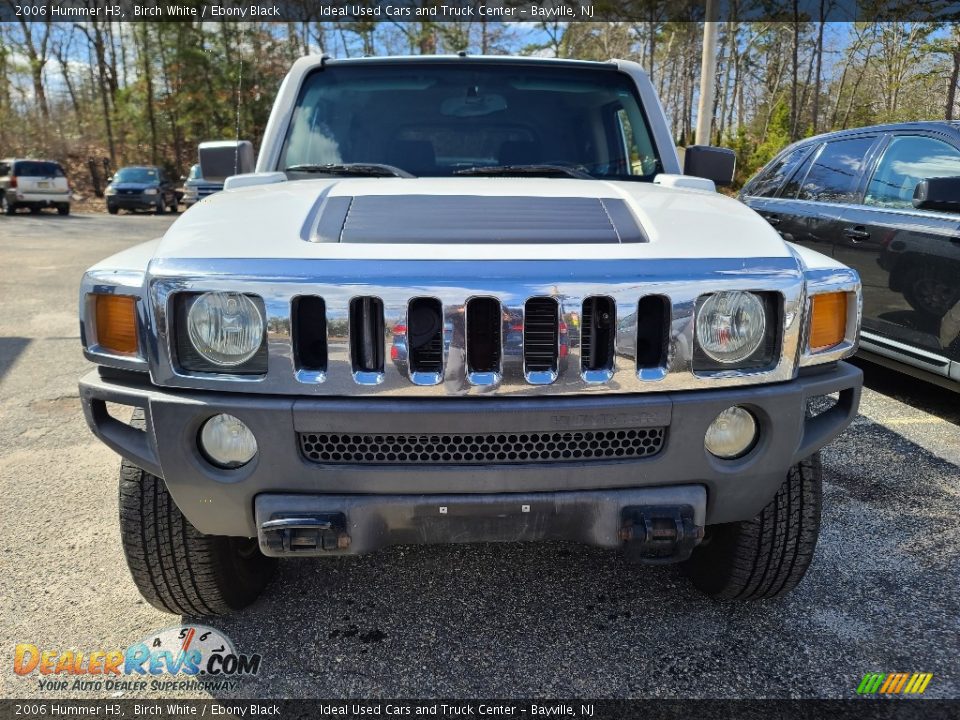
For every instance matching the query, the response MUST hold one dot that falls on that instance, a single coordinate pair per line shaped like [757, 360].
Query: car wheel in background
[34, 209]
[930, 289]
[8, 207]
[112, 210]
[63, 209]
[161, 207]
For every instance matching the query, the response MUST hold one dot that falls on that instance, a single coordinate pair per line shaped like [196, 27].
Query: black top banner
[477, 10]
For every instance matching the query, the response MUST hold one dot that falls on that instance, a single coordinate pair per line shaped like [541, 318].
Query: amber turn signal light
[828, 321]
[116, 317]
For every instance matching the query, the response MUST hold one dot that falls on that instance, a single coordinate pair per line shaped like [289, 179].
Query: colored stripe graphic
[918, 683]
[894, 683]
[870, 683]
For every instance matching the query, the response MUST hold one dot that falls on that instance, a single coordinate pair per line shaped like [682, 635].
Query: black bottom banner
[245, 709]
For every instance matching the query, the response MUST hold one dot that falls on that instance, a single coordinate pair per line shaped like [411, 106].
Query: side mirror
[712, 163]
[940, 193]
[183, 178]
[109, 179]
[220, 159]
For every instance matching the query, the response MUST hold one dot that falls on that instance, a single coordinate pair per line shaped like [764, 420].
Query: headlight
[225, 328]
[110, 191]
[150, 191]
[730, 326]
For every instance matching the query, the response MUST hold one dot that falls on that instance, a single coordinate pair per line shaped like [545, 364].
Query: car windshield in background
[439, 119]
[33, 168]
[136, 175]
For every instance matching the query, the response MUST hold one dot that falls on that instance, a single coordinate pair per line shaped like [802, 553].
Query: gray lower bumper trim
[221, 502]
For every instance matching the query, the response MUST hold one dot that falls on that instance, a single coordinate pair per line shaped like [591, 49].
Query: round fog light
[227, 442]
[732, 434]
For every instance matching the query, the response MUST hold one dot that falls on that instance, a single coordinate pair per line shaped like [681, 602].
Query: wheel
[767, 556]
[161, 208]
[176, 567]
[175, 206]
[63, 209]
[34, 209]
[8, 207]
[930, 289]
[112, 210]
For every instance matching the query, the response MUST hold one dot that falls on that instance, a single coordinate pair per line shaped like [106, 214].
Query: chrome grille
[481, 449]
[660, 359]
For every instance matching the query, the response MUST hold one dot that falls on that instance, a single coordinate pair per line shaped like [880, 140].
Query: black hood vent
[475, 219]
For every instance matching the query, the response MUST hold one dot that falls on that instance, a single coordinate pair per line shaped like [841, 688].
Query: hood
[469, 218]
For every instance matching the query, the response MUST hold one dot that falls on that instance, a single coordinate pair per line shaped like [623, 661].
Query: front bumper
[48, 199]
[222, 502]
[132, 202]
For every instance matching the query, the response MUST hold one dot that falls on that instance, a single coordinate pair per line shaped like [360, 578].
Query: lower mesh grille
[493, 448]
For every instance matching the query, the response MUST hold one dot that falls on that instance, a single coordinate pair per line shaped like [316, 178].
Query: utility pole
[708, 74]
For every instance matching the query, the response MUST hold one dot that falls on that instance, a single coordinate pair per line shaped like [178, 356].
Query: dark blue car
[141, 187]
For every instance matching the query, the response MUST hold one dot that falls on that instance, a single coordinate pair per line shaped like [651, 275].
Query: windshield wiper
[548, 170]
[368, 169]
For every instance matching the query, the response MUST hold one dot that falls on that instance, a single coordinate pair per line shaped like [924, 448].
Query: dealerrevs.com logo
[182, 657]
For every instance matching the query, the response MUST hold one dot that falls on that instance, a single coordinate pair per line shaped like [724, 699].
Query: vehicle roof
[139, 167]
[466, 58]
[22, 159]
[953, 126]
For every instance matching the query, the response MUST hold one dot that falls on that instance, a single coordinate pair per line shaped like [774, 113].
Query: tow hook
[657, 534]
[292, 534]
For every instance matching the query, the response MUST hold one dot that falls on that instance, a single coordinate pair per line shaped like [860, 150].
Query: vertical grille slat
[653, 321]
[541, 334]
[484, 333]
[366, 334]
[310, 333]
[597, 330]
[425, 335]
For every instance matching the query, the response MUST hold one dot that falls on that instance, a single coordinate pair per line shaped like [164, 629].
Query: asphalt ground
[539, 620]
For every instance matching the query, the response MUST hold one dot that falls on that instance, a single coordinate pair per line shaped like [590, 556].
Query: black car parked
[854, 195]
[141, 187]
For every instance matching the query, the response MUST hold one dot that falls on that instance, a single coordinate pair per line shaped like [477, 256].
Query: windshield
[37, 168]
[137, 175]
[435, 119]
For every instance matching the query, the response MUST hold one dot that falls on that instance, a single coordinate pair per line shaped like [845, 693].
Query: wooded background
[108, 94]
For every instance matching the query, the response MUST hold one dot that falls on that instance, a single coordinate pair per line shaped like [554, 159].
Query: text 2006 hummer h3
[468, 299]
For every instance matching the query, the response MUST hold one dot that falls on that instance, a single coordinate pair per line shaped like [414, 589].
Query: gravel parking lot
[549, 620]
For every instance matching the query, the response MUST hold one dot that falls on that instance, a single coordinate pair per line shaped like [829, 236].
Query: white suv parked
[34, 184]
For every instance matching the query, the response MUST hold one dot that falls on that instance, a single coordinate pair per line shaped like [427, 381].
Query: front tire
[63, 209]
[161, 208]
[9, 208]
[767, 556]
[176, 567]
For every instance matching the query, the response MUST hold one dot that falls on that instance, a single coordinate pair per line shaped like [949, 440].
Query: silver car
[196, 187]
[33, 184]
